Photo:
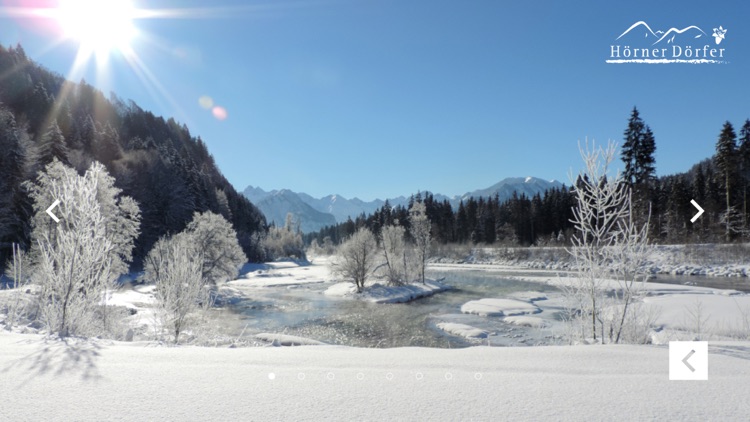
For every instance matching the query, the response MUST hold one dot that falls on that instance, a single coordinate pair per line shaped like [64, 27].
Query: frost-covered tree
[357, 258]
[175, 265]
[395, 253]
[606, 239]
[284, 242]
[74, 256]
[216, 239]
[77, 260]
[15, 307]
[121, 213]
[420, 232]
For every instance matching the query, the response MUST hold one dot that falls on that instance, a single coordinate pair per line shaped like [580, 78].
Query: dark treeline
[721, 185]
[519, 220]
[169, 172]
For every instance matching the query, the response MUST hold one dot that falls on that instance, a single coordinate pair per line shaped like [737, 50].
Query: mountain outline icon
[662, 35]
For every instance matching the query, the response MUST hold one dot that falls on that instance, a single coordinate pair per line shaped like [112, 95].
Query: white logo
[719, 33]
[641, 44]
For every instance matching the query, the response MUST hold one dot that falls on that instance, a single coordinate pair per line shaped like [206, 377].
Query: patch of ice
[526, 321]
[529, 296]
[499, 307]
[463, 330]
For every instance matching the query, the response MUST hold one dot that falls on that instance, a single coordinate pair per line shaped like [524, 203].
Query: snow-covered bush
[327, 248]
[78, 259]
[175, 265]
[606, 237]
[357, 258]
[284, 242]
[217, 241]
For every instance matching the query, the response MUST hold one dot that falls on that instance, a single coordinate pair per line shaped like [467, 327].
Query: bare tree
[395, 254]
[607, 244]
[420, 232]
[357, 257]
[175, 265]
[17, 272]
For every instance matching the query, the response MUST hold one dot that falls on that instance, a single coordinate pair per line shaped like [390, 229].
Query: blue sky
[380, 98]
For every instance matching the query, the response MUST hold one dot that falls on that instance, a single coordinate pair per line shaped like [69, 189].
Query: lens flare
[206, 102]
[220, 113]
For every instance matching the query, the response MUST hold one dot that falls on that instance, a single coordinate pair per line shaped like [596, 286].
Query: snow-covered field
[49, 380]
[96, 381]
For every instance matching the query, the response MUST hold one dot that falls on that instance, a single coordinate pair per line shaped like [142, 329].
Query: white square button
[688, 360]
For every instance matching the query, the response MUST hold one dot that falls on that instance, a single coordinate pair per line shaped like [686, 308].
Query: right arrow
[685, 361]
[700, 211]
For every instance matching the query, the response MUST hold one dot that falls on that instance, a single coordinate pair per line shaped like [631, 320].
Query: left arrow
[51, 207]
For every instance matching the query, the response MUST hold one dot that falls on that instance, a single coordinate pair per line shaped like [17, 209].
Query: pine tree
[638, 155]
[12, 174]
[744, 159]
[644, 158]
[630, 148]
[726, 162]
[52, 146]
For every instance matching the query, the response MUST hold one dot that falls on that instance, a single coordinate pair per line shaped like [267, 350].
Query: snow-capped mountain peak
[315, 213]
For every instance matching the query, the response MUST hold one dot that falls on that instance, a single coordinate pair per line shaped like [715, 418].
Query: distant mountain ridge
[315, 213]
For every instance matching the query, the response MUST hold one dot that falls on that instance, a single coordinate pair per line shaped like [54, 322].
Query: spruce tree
[644, 158]
[629, 151]
[744, 158]
[52, 146]
[640, 172]
[726, 162]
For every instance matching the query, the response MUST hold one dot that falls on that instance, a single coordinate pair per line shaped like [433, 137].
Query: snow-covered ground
[282, 273]
[45, 379]
[730, 260]
[95, 381]
[378, 293]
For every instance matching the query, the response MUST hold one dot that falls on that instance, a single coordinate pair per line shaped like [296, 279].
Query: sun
[100, 26]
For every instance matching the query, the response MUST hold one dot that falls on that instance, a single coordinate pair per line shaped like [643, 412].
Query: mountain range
[312, 213]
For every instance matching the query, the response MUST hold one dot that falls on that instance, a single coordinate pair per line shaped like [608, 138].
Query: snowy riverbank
[707, 260]
[682, 312]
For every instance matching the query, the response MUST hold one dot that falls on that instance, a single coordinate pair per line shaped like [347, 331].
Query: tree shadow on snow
[58, 357]
[739, 351]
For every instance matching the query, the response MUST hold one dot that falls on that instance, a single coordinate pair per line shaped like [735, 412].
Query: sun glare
[100, 26]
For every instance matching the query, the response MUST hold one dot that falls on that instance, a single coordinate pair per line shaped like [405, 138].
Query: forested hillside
[157, 162]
